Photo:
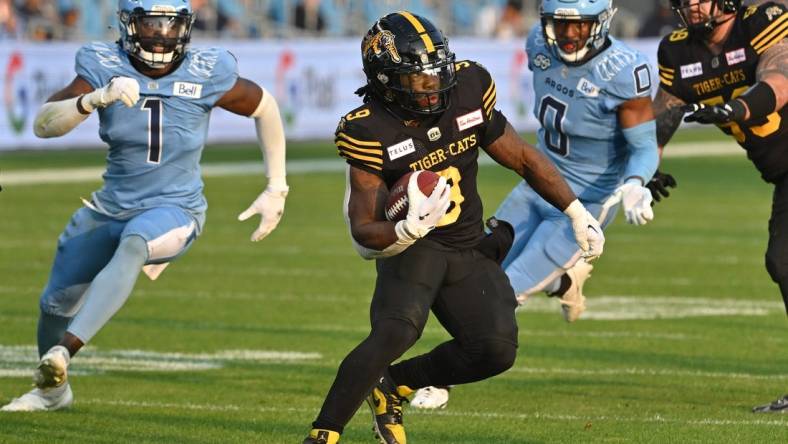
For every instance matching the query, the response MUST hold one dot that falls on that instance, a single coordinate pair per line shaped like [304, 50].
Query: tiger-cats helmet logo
[379, 43]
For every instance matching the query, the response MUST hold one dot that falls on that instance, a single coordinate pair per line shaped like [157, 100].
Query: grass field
[238, 342]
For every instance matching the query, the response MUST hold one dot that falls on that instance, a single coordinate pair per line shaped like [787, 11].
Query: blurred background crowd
[40, 20]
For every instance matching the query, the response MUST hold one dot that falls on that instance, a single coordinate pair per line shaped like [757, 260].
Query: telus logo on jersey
[401, 149]
[186, 89]
[691, 70]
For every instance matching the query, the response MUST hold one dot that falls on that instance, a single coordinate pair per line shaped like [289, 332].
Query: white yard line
[91, 174]
[650, 372]
[658, 419]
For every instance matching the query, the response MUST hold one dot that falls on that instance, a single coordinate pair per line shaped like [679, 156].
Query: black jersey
[689, 71]
[374, 139]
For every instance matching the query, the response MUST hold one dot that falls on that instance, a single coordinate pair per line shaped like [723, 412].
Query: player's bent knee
[493, 356]
[393, 337]
[777, 265]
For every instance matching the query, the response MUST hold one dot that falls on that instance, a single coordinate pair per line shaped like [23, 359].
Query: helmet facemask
[421, 88]
[698, 21]
[590, 34]
[156, 38]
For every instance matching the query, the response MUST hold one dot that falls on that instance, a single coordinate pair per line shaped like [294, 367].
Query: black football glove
[659, 184]
[717, 114]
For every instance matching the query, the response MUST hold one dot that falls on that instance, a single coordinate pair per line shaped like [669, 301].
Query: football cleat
[386, 401]
[573, 303]
[42, 400]
[52, 369]
[431, 398]
[322, 436]
[778, 406]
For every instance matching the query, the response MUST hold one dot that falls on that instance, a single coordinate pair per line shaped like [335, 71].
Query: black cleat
[779, 406]
[322, 436]
[386, 400]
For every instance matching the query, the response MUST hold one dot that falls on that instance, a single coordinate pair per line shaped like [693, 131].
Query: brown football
[397, 202]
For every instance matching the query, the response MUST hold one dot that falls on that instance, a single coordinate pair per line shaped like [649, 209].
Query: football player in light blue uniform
[154, 98]
[593, 99]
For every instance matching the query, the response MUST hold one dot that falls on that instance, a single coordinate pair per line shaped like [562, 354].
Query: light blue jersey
[155, 146]
[577, 107]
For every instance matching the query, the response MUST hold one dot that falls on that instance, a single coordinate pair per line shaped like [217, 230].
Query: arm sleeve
[358, 148]
[643, 153]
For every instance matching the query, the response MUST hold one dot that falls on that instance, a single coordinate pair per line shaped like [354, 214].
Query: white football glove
[125, 89]
[636, 201]
[588, 233]
[423, 212]
[270, 204]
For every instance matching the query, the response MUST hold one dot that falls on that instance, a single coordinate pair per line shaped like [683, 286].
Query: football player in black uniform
[423, 110]
[728, 67]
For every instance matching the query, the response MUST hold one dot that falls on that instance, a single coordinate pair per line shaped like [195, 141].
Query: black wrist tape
[760, 100]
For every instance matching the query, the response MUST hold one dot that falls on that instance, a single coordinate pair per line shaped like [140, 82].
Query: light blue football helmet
[155, 32]
[598, 12]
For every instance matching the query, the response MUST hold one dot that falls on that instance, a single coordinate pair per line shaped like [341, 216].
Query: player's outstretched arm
[70, 106]
[374, 236]
[246, 98]
[636, 118]
[668, 111]
[512, 152]
[765, 97]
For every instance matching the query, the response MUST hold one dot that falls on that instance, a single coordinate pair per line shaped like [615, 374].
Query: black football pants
[777, 253]
[470, 296]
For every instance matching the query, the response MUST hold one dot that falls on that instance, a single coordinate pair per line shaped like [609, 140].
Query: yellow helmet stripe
[420, 29]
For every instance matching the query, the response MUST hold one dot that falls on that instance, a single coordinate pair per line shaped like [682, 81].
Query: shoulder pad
[765, 24]
[96, 61]
[623, 72]
[355, 143]
[478, 81]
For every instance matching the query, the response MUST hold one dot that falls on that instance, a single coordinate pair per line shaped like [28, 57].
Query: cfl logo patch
[542, 61]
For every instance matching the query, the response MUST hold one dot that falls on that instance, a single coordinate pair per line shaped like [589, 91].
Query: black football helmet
[408, 63]
[685, 8]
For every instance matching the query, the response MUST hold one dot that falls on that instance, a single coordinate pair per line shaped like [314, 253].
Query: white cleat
[430, 398]
[52, 369]
[42, 400]
[573, 303]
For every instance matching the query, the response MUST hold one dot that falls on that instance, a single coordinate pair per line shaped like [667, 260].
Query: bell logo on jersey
[734, 57]
[185, 89]
[588, 88]
[401, 149]
[691, 70]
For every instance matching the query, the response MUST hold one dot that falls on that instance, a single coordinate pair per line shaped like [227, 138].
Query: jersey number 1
[155, 115]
